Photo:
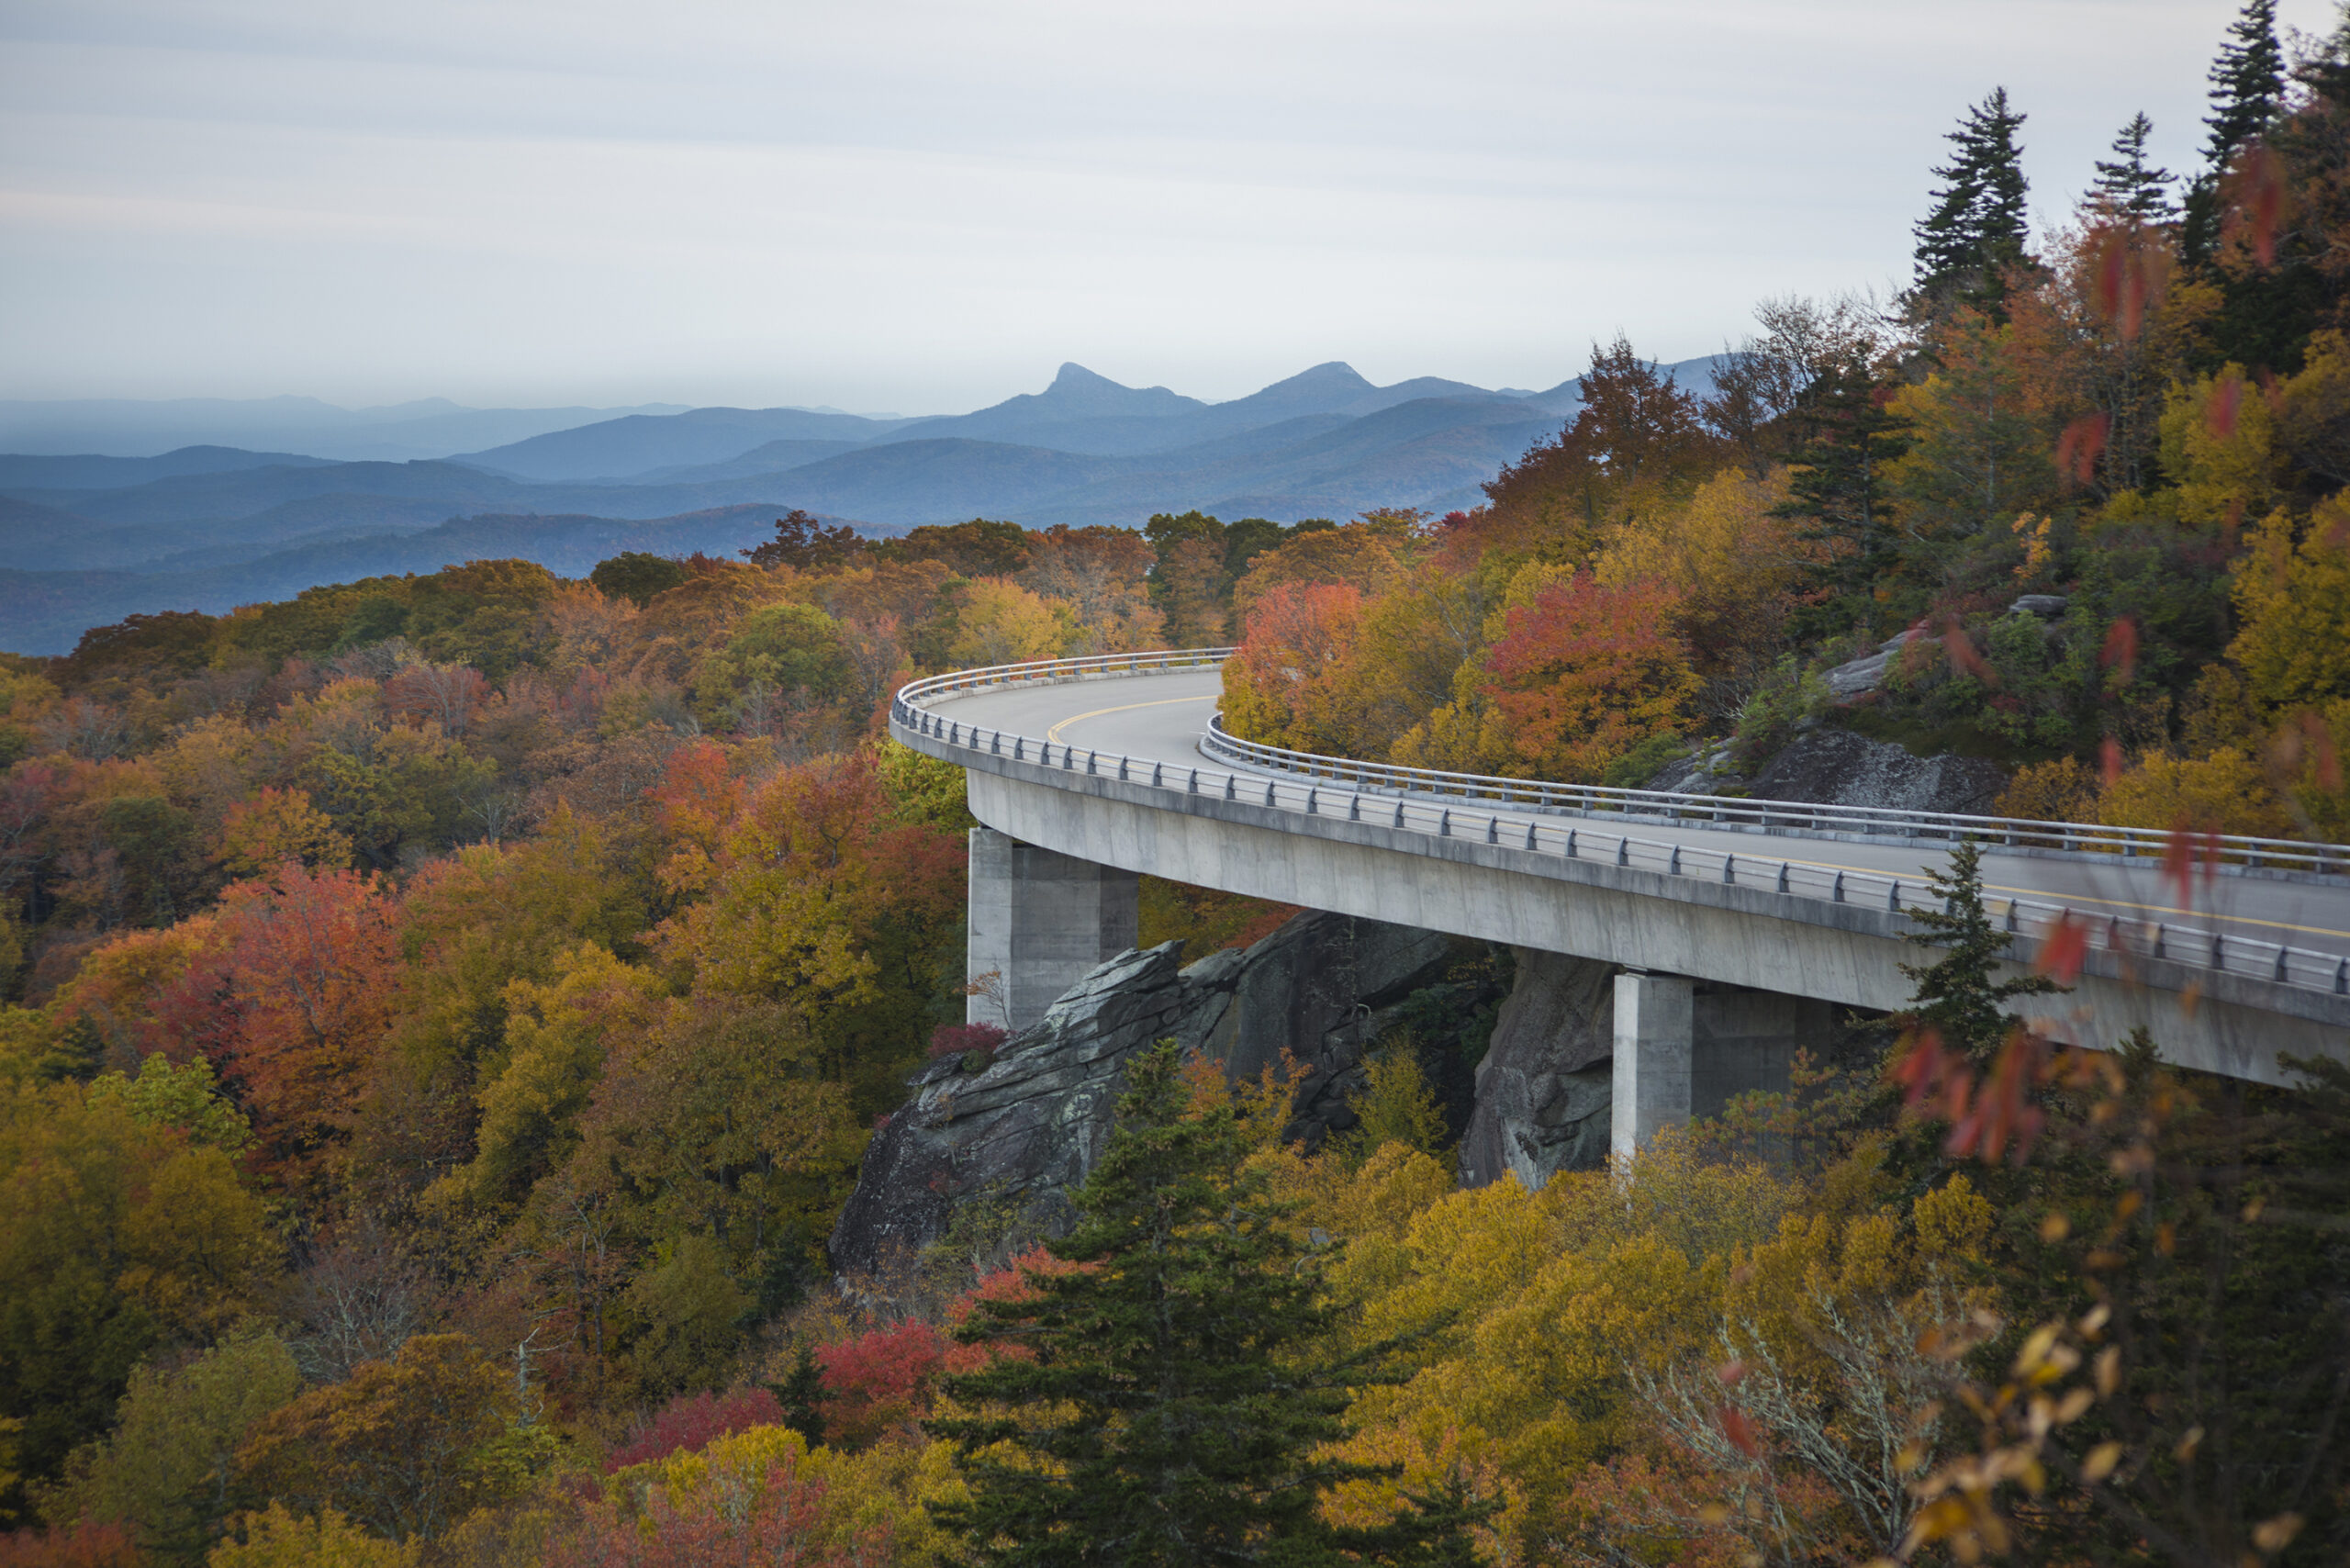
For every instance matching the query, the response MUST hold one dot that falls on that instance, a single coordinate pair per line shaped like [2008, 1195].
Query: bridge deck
[1162, 717]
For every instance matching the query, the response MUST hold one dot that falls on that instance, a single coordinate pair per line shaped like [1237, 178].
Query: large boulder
[1544, 1086]
[1005, 1139]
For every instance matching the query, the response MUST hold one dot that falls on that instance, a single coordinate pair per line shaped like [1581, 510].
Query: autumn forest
[445, 1014]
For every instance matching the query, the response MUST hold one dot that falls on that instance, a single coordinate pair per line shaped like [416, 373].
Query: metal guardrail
[1738, 811]
[1439, 805]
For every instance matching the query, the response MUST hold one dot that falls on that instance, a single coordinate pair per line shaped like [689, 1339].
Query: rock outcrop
[1838, 767]
[1005, 1139]
[1543, 1088]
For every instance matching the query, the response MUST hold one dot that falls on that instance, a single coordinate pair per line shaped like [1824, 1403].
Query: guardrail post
[1623, 850]
[1570, 843]
[1091, 757]
[1313, 800]
[1068, 759]
[1018, 741]
[1782, 878]
[1195, 781]
[1232, 786]
[1399, 811]
[1122, 767]
[1673, 869]
[1157, 771]
[1729, 870]
[1354, 808]
[2341, 977]
[1444, 823]
[1836, 893]
[2219, 951]
[1494, 829]
[2161, 932]
[1892, 897]
[1529, 837]
[1269, 798]
[2281, 951]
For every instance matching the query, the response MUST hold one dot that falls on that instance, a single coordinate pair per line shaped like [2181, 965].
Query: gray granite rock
[1543, 1089]
[1866, 673]
[1838, 767]
[1010, 1140]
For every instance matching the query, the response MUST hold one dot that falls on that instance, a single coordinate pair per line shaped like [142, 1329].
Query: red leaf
[2064, 950]
[2110, 762]
[1963, 658]
[2121, 650]
[2227, 401]
[2079, 447]
[1735, 1427]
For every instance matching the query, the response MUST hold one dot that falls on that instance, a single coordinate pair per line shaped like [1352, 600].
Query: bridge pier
[1683, 1052]
[1039, 921]
[1655, 1040]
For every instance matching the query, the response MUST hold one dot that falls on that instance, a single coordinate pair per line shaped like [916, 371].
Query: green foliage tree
[2248, 87]
[1977, 229]
[2128, 185]
[168, 1468]
[802, 542]
[1174, 1399]
[636, 576]
[1844, 441]
[116, 1237]
[1957, 996]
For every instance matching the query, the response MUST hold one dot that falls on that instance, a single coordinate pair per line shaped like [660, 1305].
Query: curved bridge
[1090, 771]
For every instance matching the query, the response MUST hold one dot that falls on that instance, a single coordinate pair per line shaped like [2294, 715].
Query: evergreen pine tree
[2127, 187]
[2247, 86]
[1977, 227]
[802, 1394]
[1843, 437]
[1956, 996]
[1177, 1392]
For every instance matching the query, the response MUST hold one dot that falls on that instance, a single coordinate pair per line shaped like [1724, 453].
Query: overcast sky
[916, 207]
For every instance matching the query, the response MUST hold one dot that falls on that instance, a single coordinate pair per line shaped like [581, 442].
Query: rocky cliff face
[1004, 1140]
[1838, 767]
[1543, 1089]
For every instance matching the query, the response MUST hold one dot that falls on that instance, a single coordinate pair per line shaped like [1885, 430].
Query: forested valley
[445, 1014]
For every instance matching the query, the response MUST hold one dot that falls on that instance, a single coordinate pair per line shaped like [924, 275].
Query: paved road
[1161, 718]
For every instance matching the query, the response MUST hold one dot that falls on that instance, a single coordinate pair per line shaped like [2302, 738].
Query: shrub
[955, 1040]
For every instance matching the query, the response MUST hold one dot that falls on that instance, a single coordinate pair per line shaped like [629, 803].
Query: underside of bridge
[1040, 920]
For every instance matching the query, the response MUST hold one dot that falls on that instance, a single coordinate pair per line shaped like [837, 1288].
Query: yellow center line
[1055, 732]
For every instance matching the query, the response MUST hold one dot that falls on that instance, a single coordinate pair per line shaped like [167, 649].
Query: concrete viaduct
[1738, 922]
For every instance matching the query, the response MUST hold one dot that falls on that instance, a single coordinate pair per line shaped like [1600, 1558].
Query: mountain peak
[1073, 377]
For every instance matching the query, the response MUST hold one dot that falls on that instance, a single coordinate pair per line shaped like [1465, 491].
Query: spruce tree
[1956, 996]
[2127, 188]
[1174, 1395]
[1843, 437]
[1978, 228]
[2247, 86]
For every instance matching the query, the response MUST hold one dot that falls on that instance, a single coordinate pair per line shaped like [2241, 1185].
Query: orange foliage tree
[1285, 686]
[1587, 673]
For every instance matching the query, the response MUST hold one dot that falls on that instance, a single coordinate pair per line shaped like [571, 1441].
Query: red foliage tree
[310, 970]
[691, 1420]
[879, 1380]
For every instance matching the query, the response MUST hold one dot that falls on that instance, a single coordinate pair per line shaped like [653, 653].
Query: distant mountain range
[86, 539]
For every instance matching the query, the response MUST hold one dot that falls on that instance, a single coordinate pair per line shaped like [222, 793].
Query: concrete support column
[1039, 921]
[1655, 1030]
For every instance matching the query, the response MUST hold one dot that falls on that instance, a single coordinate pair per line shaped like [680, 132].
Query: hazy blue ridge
[46, 612]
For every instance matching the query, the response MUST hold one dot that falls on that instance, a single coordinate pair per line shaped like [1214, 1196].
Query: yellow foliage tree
[1002, 623]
